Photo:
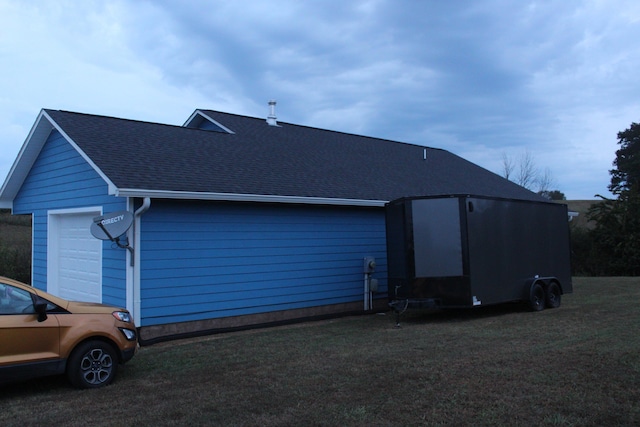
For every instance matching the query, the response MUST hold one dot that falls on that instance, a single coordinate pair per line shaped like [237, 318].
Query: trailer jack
[399, 307]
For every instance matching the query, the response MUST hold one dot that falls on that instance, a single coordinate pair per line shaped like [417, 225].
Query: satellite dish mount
[112, 227]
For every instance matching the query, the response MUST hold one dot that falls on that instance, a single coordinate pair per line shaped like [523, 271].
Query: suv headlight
[122, 316]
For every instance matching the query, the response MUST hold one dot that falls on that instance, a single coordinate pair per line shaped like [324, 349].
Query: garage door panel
[78, 258]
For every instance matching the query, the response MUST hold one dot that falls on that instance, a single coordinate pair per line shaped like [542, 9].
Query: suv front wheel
[92, 364]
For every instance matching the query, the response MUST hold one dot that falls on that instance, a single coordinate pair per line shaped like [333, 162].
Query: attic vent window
[271, 118]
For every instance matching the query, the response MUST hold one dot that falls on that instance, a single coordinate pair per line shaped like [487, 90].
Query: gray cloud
[477, 78]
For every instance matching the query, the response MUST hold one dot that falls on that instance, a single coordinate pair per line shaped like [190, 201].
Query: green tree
[616, 235]
[625, 178]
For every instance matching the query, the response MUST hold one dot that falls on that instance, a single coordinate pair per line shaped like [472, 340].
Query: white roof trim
[207, 118]
[233, 197]
[24, 161]
[28, 154]
[82, 153]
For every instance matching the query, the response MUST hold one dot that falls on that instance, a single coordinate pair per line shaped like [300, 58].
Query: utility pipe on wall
[369, 268]
[146, 204]
[366, 292]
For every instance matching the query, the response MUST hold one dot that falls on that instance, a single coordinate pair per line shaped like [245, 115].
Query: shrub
[16, 263]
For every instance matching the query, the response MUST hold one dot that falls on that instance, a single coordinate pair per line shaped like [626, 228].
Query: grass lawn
[576, 365]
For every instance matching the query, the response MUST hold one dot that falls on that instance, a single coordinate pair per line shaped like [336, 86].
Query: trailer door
[437, 238]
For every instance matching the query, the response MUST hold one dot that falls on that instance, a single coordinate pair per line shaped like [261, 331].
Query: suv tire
[92, 364]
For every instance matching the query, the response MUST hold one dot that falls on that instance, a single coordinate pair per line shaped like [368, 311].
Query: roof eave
[200, 115]
[26, 158]
[83, 154]
[234, 197]
[28, 154]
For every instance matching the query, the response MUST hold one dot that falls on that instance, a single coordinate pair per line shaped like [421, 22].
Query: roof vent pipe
[271, 118]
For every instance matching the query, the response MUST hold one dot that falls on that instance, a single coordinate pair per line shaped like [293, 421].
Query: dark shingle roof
[259, 159]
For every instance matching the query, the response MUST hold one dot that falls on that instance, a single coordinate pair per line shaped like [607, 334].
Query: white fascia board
[191, 118]
[233, 197]
[26, 158]
[28, 154]
[111, 185]
[207, 118]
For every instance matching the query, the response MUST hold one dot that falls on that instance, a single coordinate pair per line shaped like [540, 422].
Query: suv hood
[91, 307]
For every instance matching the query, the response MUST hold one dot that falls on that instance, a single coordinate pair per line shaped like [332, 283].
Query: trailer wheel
[536, 297]
[553, 297]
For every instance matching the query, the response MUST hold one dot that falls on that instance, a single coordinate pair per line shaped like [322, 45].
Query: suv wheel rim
[96, 366]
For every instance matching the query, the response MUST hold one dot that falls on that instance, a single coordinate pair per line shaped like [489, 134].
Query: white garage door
[75, 257]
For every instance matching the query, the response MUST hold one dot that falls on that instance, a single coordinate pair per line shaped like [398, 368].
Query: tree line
[612, 246]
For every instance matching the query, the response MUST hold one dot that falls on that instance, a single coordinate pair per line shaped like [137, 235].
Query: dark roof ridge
[102, 116]
[281, 123]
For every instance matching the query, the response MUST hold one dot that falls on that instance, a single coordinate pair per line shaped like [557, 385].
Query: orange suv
[41, 334]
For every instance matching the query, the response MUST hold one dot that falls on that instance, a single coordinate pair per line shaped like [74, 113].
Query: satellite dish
[111, 226]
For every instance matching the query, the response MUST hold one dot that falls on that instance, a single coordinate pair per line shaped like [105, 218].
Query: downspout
[146, 204]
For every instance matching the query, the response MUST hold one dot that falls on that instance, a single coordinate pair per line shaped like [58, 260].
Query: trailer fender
[543, 281]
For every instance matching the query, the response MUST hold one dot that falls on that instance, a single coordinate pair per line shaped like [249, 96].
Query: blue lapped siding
[61, 179]
[204, 261]
[207, 260]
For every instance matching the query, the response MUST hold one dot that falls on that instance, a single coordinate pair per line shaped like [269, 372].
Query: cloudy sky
[481, 78]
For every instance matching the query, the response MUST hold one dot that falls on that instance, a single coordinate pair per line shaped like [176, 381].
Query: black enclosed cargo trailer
[467, 251]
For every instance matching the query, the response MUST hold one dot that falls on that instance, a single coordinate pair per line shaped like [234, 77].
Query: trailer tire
[537, 297]
[553, 297]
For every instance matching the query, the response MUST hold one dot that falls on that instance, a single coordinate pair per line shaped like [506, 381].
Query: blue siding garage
[62, 184]
[212, 260]
[237, 221]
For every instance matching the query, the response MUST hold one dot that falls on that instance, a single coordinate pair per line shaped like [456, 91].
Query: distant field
[15, 229]
[578, 365]
[15, 245]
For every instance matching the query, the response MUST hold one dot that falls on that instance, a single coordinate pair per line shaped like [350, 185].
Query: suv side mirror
[41, 309]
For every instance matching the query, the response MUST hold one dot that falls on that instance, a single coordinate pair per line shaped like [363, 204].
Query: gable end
[28, 154]
[199, 120]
